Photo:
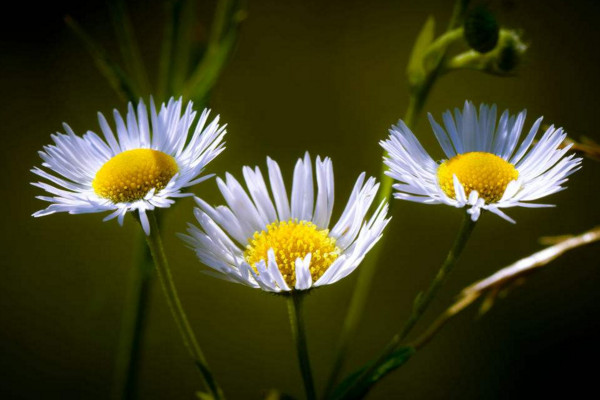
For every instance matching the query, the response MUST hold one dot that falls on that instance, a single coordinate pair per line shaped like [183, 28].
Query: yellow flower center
[291, 240]
[486, 173]
[130, 175]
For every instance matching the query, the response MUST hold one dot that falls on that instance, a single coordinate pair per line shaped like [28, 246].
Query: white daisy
[486, 167]
[275, 245]
[146, 165]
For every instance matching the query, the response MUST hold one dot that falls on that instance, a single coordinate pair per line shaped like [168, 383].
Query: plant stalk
[164, 275]
[418, 96]
[132, 326]
[423, 300]
[295, 307]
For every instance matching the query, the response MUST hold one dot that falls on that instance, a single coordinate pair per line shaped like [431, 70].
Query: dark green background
[322, 76]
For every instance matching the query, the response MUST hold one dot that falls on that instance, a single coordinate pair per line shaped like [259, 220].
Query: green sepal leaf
[415, 69]
[275, 394]
[204, 396]
[418, 300]
[357, 384]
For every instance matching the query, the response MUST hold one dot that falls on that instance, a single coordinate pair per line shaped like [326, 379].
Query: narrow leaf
[204, 396]
[224, 32]
[183, 43]
[128, 45]
[359, 383]
[415, 70]
[115, 76]
[166, 52]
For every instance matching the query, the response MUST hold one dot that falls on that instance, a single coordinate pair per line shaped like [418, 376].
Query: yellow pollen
[486, 173]
[291, 240]
[130, 175]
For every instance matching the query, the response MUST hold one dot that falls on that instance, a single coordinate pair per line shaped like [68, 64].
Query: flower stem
[295, 303]
[424, 299]
[189, 339]
[132, 326]
[421, 303]
[366, 272]
[418, 96]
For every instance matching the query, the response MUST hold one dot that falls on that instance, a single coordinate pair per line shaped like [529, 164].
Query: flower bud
[508, 53]
[502, 60]
[481, 30]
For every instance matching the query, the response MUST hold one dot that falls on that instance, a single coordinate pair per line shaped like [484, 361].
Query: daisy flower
[147, 164]
[278, 245]
[487, 168]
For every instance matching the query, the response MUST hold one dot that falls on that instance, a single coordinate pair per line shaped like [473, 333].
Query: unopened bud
[481, 30]
[510, 51]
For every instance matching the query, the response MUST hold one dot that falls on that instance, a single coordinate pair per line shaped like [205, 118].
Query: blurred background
[327, 77]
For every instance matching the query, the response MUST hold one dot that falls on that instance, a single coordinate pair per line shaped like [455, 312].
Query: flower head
[487, 168]
[150, 161]
[277, 245]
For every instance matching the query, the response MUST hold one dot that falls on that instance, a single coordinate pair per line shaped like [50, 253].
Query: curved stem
[493, 284]
[189, 339]
[367, 270]
[424, 299]
[295, 302]
[418, 96]
[421, 303]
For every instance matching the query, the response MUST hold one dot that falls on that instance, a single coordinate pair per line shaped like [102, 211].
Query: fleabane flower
[277, 245]
[488, 167]
[149, 162]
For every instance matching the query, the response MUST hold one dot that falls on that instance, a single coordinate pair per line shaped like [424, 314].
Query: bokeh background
[322, 76]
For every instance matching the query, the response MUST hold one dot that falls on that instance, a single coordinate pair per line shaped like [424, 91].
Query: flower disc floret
[485, 173]
[291, 240]
[130, 175]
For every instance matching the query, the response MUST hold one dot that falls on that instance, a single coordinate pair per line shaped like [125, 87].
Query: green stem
[424, 299]
[295, 303]
[132, 327]
[223, 36]
[418, 96]
[421, 303]
[367, 270]
[163, 86]
[164, 274]
[129, 46]
[121, 83]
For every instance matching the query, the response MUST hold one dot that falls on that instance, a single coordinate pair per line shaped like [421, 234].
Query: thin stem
[295, 303]
[164, 274]
[166, 52]
[132, 326]
[424, 299]
[489, 287]
[129, 47]
[120, 82]
[418, 96]
[367, 272]
[421, 302]
[223, 36]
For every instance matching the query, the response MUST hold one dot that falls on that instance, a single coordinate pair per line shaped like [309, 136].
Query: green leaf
[418, 300]
[228, 17]
[129, 46]
[115, 76]
[184, 43]
[163, 85]
[415, 70]
[275, 394]
[204, 396]
[358, 384]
